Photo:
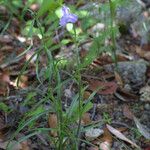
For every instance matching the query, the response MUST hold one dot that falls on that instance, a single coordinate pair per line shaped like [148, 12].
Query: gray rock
[147, 106]
[132, 72]
[92, 133]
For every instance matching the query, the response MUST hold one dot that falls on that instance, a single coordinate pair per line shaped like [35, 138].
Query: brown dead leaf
[125, 95]
[25, 145]
[86, 95]
[5, 77]
[122, 129]
[105, 88]
[144, 51]
[86, 120]
[105, 141]
[4, 80]
[7, 48]
[83, 53]
[107, 136]
[119, 135]
[118, 79]
[106, 59]
[52, 122]
[127, 113]
[5, 39]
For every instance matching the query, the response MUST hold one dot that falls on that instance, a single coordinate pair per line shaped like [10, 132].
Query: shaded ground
[123, 95]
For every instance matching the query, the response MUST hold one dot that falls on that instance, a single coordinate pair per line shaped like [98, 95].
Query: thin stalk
[59, 110]
[57, 102]
[78, 74]
[114, 47]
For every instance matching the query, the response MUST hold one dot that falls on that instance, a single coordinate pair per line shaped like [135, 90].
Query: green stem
[78, 74]
[57, 102]
[114, 47]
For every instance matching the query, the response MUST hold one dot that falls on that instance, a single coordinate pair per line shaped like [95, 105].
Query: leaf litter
[114, 90]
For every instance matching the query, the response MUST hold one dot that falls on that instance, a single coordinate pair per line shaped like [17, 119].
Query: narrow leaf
[119, 135]
[142, 129]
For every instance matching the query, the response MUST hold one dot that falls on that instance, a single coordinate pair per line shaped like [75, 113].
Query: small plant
[68, 126]
[107, 118]
[136, 133]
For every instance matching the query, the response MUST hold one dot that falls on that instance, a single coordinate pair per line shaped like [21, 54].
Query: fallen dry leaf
[52, 122]
[142, 129]
[105, 88]
[7, 48]
[119, 135]
[5, 39]
[125, 95]
[118, 79]
[25, 145]
[143, 51]
[106, 140]
[86, 120]
[127, 113]
[86, 94]
[107, 136]
[105, 59]
[4, 79]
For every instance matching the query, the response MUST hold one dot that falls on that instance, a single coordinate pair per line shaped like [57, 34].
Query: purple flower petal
[63, 21]
[65, 10]
[67, 17]
[72, 18]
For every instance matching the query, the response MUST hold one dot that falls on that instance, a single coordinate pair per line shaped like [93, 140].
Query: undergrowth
[45, 24]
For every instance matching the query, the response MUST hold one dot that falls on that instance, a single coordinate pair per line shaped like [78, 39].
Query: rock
[92, 133]
[147, 106]
[68, 93]
[132, 72]
[145, 94]
[96, 29]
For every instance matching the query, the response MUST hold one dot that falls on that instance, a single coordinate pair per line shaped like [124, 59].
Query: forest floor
[122, 105]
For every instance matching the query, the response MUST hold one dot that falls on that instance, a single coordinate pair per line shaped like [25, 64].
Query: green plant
[4, 107]
[136, 133]
[69, 126]
[106, 118]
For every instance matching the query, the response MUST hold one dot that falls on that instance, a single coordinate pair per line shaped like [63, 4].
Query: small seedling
[107, 118]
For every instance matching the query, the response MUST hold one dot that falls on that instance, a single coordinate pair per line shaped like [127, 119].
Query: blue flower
[67, 17]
